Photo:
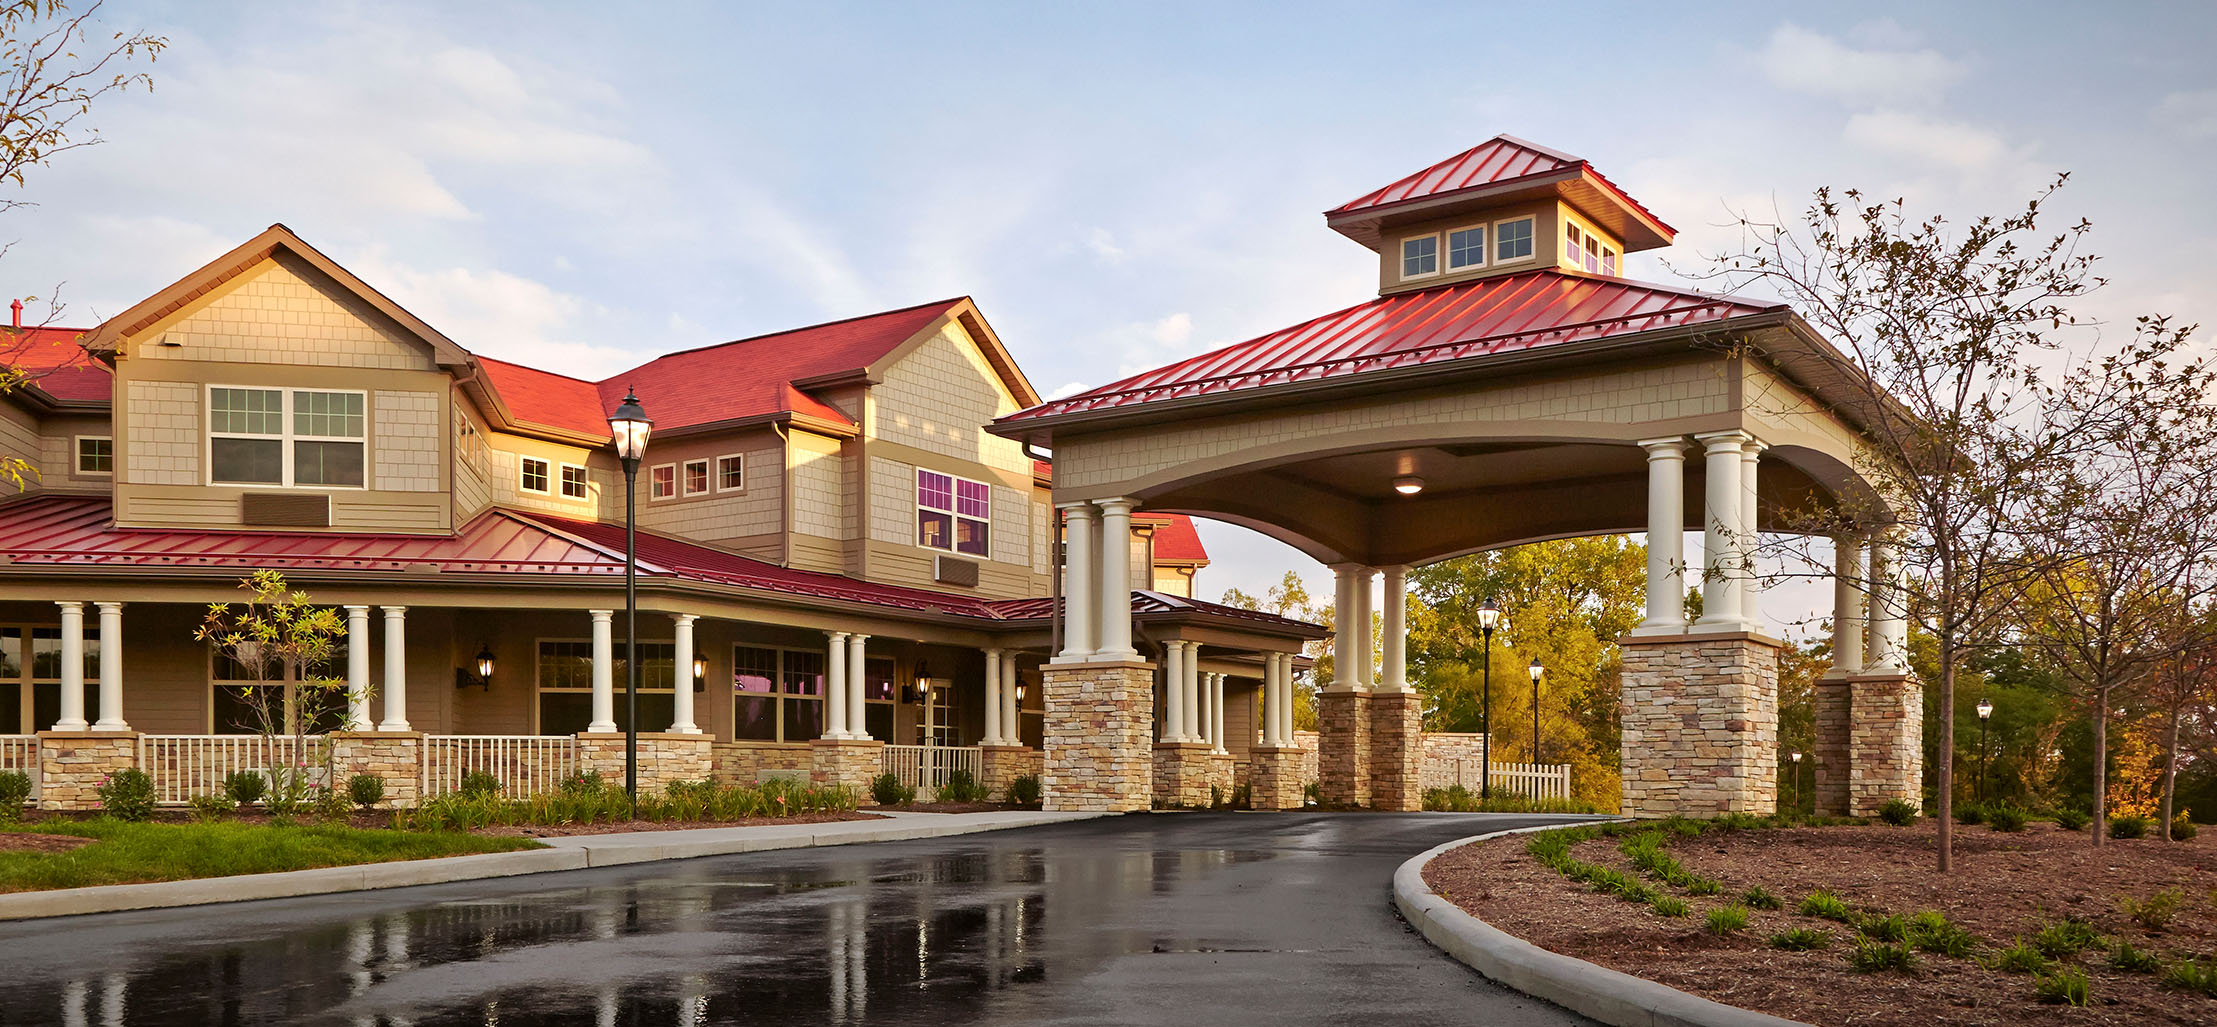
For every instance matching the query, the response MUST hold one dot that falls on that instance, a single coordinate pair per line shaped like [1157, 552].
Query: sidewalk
[573, 852]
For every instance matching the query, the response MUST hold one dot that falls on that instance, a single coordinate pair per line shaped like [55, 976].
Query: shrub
[887, 790]
[1801, 939]
[479, 784]
[1024, 791]
[2182, 828]
[1758, 898]
[2128, 827]
[1826, 905]
[1243, 796]
[2006, 818]
[333, 806]
[2193, 975]
[2071, 818]
[1883, 928]
[1670, 906]
[1932, 931]
[2065, 937]
[1898, 812]
[2019, 958]
[2066, 987]
[245, 787]
[587, 783]
[128, 794]
[15, 789]
[210, 808]
[2122, 956]
[1971, 814]
[365, 789]
[1727, 919]
[2156, 911]
[1876, 956]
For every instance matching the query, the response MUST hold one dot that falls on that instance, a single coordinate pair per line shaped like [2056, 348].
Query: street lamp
[1985, 712]
[630, 427]
[1796, 757]
[1536, 670]
[1489, 615]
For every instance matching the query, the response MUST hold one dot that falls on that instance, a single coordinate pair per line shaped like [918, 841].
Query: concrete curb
[577, 852]
[1574, 984]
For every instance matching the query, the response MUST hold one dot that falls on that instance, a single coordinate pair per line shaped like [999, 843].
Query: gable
[282, 311]
[939, 395]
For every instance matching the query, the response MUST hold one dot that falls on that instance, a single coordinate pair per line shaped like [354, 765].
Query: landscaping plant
[1876, 956]
[333, 806]
[1727, 919]
[1828, 906]
[479, 783]
[15, 790]
[2156, 911]
[127, 794]
[962, 786]
[278, 643]
[1898, 812]
[2128, 827]
[1970, 814]
[2122, 956]
[1025, 791]
[1932, 931]
[2064, 986]
[1890, 928]
[2193, 975]
[2019, 958]
[1670, 906]
[2006, 818]
[2182, 828]
[210, 808]
[365, 789]
[245, 787]
[1801, 939]
[2065, 938]
[887, 790]
[2071, 818]
[1758, 898]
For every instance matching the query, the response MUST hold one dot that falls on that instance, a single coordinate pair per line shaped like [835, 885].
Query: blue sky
[580, 186]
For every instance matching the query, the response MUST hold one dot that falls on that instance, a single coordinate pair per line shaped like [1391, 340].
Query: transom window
[1466, 247]
[95, 454]
[954, 514]
[285, 437]
[1420, 256]
[565, 680]
[573, 482]
[1512, 240]
[696, 477]
[731, 473]
[662, 482]
[534, 475]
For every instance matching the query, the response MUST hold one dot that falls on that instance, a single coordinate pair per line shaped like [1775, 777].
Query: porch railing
[20, 752]
[526, 765]
[1532, 781]
[926, 767]
[183, 766]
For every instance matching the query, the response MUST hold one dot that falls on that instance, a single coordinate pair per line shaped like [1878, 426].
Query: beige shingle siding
[819, 488]
[19, 437]
[163, 447]
[406, 444]
[892, 501]
[473, 491]
[717, 515]
[1011, 526]
[286, 313]
[1043, 526]
[939, 398]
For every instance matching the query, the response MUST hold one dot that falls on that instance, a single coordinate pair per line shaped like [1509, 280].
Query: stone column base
[1004, 764]
[1700, 734]
[850, 763]
[72, 765]
[1223, 777]
[1831, 695]
[1343, 748]
[1099, 736]
[1396, 751]
[396, 756]
[1276, 777]
[663, 758]
[1885, 742]
[1182, 775]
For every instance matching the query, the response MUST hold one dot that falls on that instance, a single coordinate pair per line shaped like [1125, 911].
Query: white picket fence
[526, 765]
[20, 752]
[926, 767]
[183, 766]
[1532, 781]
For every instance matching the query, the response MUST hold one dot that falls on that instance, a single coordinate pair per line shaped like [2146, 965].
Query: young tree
[2184, 691]
[1290, 598]
[1939, 334]
[280, 641]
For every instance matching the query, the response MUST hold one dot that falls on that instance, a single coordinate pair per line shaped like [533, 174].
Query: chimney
[16, 306]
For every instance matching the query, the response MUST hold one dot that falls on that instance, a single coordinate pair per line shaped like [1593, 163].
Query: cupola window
[1420, 256]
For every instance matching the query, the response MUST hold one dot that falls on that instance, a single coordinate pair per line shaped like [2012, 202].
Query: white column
[835, 686]
[111, 668]
[1194, 726]
[993, 697]
[1721, 593]
[1205, 727]
[1847, 605]
[858, 725]
[1366, 651]
[604, 672]
[1216, 711]
[681, 718]
[1345, 664]
[1012, 723]
[1116, 580]
[1889, 611]
[1078, 589]
[1395, 671]
[1269, 733]
[1173, 681]
[1751, 527]
[73, 668]
[396, 669]
[1285, 693]
[1666, 537]
[357, 669]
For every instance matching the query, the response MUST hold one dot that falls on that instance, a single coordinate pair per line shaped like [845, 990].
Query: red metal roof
[1465, 321]
[1146, 602]
[56, 365]
[549, 399]
[1175, 537]
[1501, 159]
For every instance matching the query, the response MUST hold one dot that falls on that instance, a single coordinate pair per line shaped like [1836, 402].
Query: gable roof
[1176, 539]
[1500, 169]
[56, 369]
[1466, 321]
[1499, 159]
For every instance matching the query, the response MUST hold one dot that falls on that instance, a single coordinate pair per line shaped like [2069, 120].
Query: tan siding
[939, 397]
[285, 312]
[892, 500]
[717, 515]
[912, 566]
[19, 437]
[811, 553]
[472, 467]
[405, 449]
[819, 487]
[163, 425]
[425, 515]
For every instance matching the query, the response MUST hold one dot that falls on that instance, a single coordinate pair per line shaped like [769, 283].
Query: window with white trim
[1512, 240]
[1588, 250]
[662, 482]
[954, 514]
[696, 477]
[531, 475]
[564, 677]
[305, 437]
[1466, 247]
[1420, 256]
[731, 473]
[95, 454]
[777, 695]
[573, 482]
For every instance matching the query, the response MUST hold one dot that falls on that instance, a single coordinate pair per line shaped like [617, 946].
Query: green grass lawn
[128, 853]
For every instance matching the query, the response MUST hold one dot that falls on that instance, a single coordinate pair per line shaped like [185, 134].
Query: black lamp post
[1489, 614]
[1536, 670]
[630, 427]
[1796, 757]
[1985, 712]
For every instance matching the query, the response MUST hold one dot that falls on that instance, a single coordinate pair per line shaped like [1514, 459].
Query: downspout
[785, 496]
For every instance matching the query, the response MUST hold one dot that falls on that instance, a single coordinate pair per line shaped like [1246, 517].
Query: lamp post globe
[1489, 614]
[1536, 671]
[1985, 713]
[629, 428]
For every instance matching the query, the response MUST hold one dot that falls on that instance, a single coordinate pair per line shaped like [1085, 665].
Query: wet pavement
[1194, 918]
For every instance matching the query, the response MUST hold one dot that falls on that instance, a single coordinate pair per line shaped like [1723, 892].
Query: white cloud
[1103, 244]
[1950, 143]
[501, 315]
[1173, 330]
[1809, 62]
[2193, 113]
[1067, 389]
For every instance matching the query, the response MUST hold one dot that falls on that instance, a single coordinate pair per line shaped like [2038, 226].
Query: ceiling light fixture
[1408, 484]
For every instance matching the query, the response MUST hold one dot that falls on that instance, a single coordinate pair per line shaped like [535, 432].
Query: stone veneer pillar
[1885, 759]
[1099, 735]
[1343, 747]
[72, 765]
[663, 757]
[1396, 751]
[850, 763]
[1700, 724]
[1182, 775]
[1832, 697]
[396, 756]
[1003, 764]
[1275, 773]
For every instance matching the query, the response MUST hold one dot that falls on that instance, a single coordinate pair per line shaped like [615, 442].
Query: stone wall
[1885, 742]
[73, 764]
[663, 758]
[396, 756]
[1182, 773]
[1831, 697]
[741, 763]
[1005, 763]
[1277, 777]
[1308, 742]
[1700, 716]
[846, 763]
[1343, 749]
[1099, 736]
[1451, 758]
[1396, 750]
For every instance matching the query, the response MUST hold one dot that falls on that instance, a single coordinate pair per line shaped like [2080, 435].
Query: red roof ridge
[536, 370]
[951, 301]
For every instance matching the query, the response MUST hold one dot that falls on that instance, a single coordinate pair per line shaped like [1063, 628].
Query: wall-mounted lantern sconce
[1019, 694]
[483, 676]
[920, 692]
[700, 673]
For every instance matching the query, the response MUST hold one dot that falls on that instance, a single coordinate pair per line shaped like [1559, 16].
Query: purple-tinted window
[972, 499]
[953, 513]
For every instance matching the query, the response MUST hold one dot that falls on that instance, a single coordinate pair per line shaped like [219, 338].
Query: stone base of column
[1700, 725]
[1396, 751]
[1099, 736]
[850, 763]
[1276, 777]
[72, 764]
[1343, 748]
[1003, 764]
[395, 756]
[1181, 775]
[1831, 695]
[1885, 759]
[663, 758]
[1223, 778]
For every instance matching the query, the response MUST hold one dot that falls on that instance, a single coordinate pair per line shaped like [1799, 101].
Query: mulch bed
[24, 841]
[622, 826]
[951, 807]
[2005, 886]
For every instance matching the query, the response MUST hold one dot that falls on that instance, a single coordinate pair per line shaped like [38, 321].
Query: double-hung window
[954, 514]
[662, 481]
[285, 437]
[696, 477]
[565, 685]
